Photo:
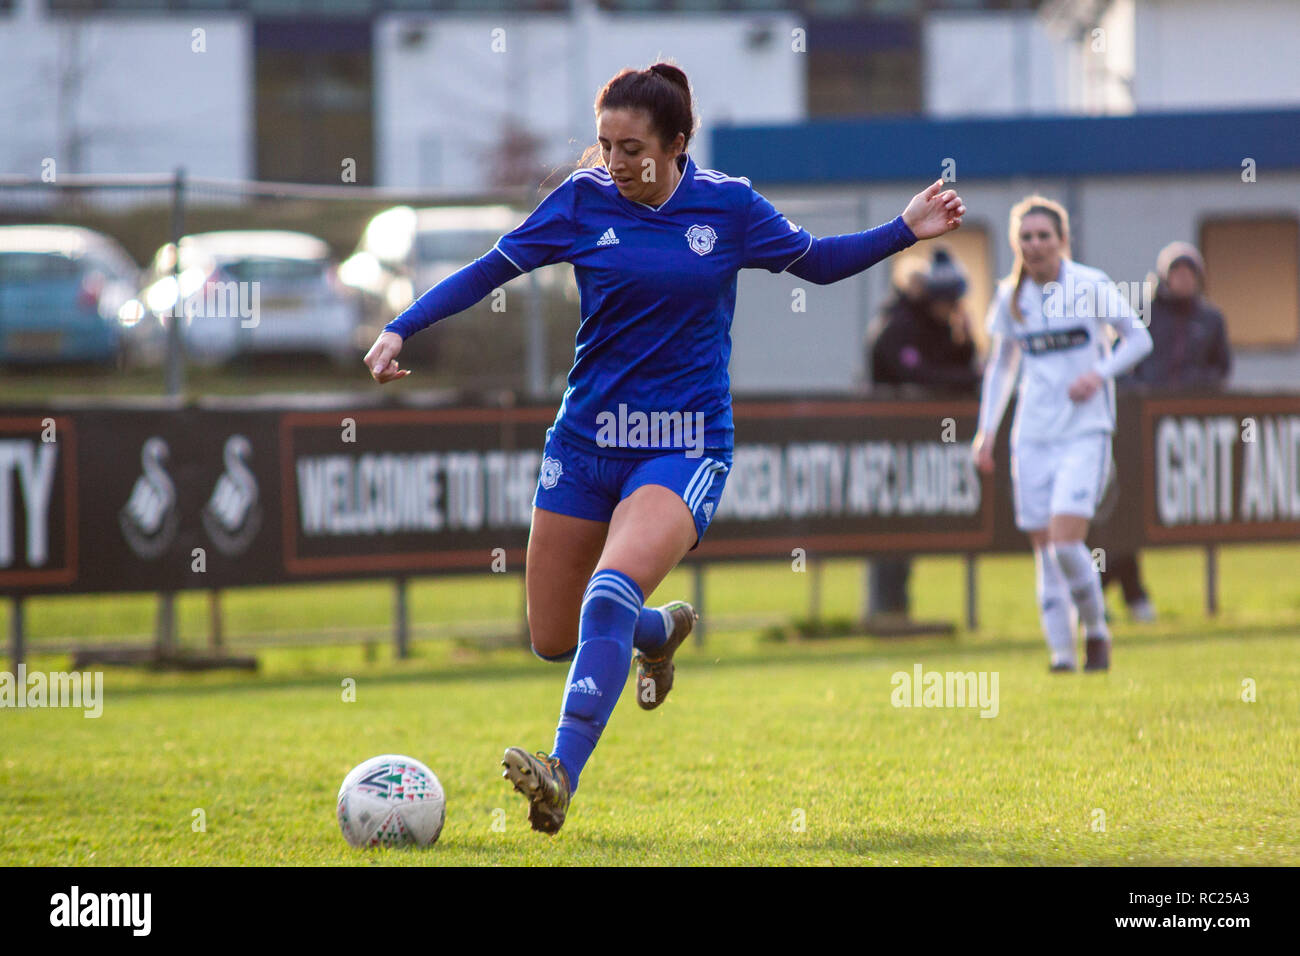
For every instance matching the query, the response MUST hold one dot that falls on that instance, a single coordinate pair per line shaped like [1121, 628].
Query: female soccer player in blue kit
[636, 460]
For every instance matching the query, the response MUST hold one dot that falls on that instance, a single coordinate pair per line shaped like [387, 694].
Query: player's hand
[1085, 386]
[934, 212]
[381, 360]
[982, 452]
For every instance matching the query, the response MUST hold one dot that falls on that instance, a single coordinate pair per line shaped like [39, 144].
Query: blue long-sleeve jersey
[657, 289]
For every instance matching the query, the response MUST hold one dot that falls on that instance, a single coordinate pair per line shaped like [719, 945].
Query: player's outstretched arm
[999, 377]
[456, 293]
[832, 258]
[381, 360]
[1134, 343]
[934, 211]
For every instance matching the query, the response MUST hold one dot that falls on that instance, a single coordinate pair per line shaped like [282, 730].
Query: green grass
[754, 737]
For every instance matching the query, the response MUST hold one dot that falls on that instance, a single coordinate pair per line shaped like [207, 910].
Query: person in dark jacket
[1190, 344]
[922, 337]
[921, 340]
[1190, 351]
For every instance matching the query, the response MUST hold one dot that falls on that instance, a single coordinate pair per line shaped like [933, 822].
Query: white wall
[1119, 225]
[992, 63]
[146, 102]
[440, 100]
[1152, 55]
[1205, 54]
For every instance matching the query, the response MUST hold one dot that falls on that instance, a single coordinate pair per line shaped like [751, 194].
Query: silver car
[405, 251]
[254, 291]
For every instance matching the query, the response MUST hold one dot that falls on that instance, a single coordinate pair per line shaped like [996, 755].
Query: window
[1252, 271]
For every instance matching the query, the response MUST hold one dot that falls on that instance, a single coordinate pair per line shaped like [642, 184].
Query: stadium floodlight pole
[175, 374]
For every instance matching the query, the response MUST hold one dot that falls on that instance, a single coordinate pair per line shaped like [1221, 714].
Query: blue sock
[610, 609]
[651, 630]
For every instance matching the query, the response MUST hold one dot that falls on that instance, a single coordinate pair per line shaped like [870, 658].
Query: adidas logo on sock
[608, 239]
[585, 686]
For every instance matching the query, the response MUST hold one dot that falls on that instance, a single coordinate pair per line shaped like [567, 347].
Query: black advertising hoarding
[39, 498]
[139, 499]
[1224, 468]
[147, 497]
[407, 490]
[852, 477]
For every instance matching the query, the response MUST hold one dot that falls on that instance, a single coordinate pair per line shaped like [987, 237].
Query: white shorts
[1065, 477]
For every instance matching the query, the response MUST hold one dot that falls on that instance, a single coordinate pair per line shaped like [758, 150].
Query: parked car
[65, 295]
[254, 291]
[403, 252]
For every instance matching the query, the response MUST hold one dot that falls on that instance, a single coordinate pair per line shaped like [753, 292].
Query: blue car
[67, 294]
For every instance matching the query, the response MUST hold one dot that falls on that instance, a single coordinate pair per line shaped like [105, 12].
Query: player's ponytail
[662, 91]
[1060, 218]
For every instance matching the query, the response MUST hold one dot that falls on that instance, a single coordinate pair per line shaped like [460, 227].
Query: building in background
[468, 98]
[280, 90]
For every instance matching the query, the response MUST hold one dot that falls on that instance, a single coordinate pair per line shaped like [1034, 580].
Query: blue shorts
[585, 485]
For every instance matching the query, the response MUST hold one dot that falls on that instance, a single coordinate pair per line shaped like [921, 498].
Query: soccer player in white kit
[1049, 322]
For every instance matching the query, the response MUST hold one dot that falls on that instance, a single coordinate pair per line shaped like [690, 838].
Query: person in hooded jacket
[920, 342]
[1190, 352]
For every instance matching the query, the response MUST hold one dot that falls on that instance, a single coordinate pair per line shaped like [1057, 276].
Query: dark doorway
[314, 100]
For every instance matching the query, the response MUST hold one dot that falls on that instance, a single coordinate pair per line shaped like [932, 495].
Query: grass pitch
[765, 753]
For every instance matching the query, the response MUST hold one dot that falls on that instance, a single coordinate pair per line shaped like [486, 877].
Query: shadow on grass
[874, 846]
[815, 652]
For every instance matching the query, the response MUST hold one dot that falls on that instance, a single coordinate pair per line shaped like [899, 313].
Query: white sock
[668, 621]
[1055, 609]
[1085, 585]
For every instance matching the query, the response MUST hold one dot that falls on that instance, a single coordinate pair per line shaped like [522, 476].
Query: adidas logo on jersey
[585, 686]
[608, 239]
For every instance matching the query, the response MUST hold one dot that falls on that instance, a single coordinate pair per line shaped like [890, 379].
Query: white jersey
[1063, 335]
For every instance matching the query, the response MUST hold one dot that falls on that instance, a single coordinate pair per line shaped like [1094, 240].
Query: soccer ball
[391, 801]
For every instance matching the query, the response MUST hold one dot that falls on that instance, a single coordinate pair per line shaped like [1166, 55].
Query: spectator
[1190, 352]
[1190, 342]
[923, 337]
[920, 340]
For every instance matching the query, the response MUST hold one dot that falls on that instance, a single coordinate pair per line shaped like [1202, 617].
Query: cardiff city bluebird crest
[551, 471]
[701, 239]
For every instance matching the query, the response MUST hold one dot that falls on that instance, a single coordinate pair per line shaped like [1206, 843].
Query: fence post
[401, 625]
[972, 596]
[216, 637]
[175, 373]
[697, 581]
[815, 591]
[1211, 580]
[165, 626]
[536, 357]
[526, 636]
[17, 653]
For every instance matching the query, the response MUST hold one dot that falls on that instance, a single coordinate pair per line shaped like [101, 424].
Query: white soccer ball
[391, 800]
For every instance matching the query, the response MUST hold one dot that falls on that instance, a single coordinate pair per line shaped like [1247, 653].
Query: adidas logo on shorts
[608, 239]
[585, 686]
